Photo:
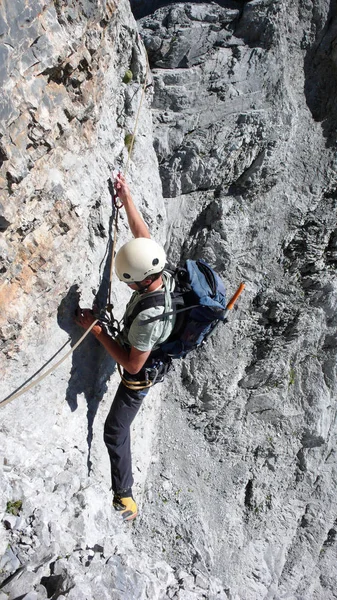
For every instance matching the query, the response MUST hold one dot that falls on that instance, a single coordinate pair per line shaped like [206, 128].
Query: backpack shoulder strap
[172, 312]
[158, 299]
[148, 301]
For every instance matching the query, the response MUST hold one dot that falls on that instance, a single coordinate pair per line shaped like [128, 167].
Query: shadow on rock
[91, 365]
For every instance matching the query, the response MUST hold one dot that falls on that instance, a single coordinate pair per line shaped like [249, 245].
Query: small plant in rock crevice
[13, 507]
[128, 76]
[292, 376]
[128, 140]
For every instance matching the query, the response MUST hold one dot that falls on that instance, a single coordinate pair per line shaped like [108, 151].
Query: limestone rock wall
[234, 160]
[246, 153]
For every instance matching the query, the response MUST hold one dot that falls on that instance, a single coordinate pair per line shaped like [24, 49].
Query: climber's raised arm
[136, 223]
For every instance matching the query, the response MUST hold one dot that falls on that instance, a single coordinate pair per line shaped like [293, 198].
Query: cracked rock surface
[234, 160]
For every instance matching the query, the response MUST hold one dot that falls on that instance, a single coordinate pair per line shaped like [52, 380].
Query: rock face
[236, 480]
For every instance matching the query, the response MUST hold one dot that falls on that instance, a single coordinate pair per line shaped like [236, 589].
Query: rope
[119, 206]
[39, 370]
[137, 116]
[53, 368]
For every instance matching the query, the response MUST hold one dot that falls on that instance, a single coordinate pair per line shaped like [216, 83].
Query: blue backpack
[199, 301]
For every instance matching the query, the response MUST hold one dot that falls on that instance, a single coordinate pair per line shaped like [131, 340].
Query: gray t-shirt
[150, 336]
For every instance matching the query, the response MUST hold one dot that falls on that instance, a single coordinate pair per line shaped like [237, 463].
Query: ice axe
[234, 298]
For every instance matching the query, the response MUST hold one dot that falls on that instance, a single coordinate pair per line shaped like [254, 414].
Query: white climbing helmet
[138, 259]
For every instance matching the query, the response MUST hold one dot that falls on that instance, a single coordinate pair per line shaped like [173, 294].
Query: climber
[140, 264]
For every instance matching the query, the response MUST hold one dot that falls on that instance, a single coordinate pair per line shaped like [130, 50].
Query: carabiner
[117, 202]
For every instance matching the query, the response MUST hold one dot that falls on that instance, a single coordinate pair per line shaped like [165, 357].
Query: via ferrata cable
[117, 203]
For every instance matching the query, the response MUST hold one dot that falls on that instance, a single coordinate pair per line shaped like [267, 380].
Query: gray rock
[9, 562]
[201, 582]
[234, 456]
[9, 521]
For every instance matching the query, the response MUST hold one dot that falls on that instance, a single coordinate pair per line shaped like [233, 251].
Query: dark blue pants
[124, 408]
[117, 437]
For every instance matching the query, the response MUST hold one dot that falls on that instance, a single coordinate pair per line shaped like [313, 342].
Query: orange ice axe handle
[235, 297]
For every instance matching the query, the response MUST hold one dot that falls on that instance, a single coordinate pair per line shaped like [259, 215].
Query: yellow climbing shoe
[126, 506]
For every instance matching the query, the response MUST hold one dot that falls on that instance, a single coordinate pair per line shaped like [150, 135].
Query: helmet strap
[152, 278]
[141, 288]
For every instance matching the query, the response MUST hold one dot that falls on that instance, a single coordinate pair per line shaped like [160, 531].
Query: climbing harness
[154, 373]
[134, 385]
[112, 323]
